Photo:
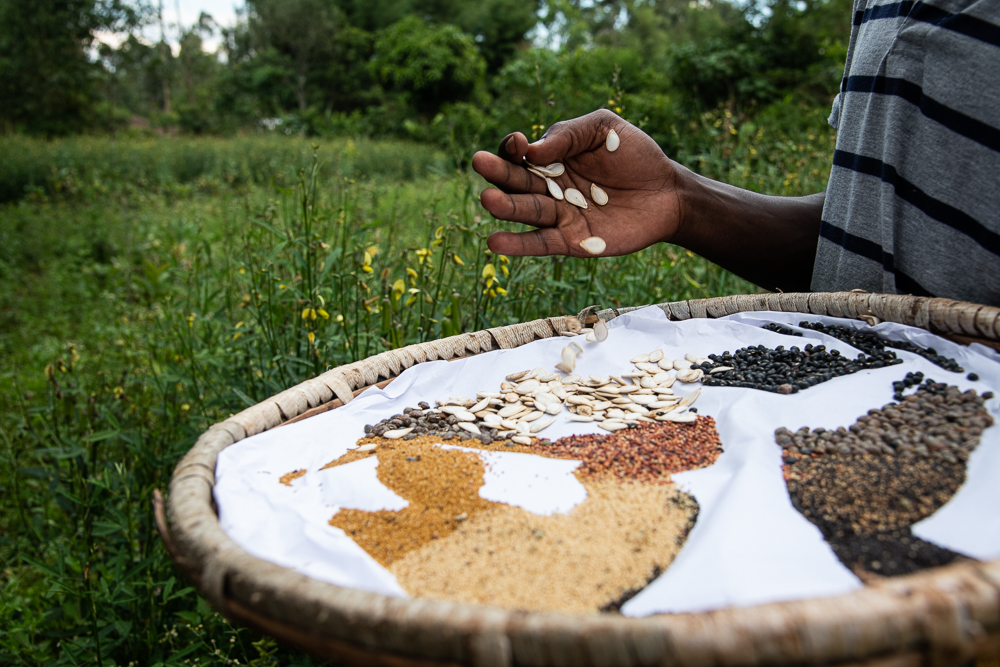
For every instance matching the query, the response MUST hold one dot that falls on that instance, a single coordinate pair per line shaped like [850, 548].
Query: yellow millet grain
[440, 485]
[609, 545]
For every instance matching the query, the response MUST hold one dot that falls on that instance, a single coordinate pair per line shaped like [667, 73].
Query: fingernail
[535, 143]
[511, 145]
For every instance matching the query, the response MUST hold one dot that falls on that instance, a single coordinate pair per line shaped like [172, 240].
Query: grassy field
[149, 288]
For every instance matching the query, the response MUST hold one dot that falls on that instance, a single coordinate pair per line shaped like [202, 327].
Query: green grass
[166, 288]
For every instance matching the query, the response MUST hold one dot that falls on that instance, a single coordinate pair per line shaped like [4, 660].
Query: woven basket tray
[950, 615]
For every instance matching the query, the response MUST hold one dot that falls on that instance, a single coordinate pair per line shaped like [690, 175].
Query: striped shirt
[913, 203]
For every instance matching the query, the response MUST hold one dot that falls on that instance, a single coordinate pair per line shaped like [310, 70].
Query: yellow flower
[414, 290]
[412, 300]
[489, 272]
[439, 232]
[367, 269]
[372, 250]
[398, 288]
[312, 338]
[410, 272]
[501, 291]
[322, 313]
[504, 259]
[457, 260]
[340, 318]
[422, 254]
[505, 270]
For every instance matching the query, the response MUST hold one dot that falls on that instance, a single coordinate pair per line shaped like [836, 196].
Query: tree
[48, 82]
[301, 31]
[431, 65]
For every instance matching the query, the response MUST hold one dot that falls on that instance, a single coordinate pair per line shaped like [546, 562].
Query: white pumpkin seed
[510, 410]
[692, 375]
[613, 425]
[540, 426]
[615, 413]
[681, 365]
[527, 386]
[601, 330]
[481, 405]
[599, 196]
[465, 417]
[612, 142]
[591, 337]
[679, 418]
[396, 433]
[510, 424]
[575, 197]
[531, 416]
[720, 369]
[655, 356]
[536, 171]
[554, 188]
[580, 418]
[595, 245]
[666, 364]
[690, 398]
[521, 439]
[569, 356]
[492, 420]
[556, 169]
[640, 359]
[571, 379]
[563, 368]
[367, 448]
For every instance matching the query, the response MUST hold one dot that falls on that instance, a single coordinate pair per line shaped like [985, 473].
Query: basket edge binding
[947, 614]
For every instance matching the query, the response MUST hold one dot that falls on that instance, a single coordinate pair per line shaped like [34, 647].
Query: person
[913, 201]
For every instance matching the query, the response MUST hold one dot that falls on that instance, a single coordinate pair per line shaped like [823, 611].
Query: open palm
[643, 207]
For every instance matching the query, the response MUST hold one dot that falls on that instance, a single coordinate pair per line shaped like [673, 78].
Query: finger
[506, 176]
[571, 137]
[539, 243]
[534, 210]
[513, 146]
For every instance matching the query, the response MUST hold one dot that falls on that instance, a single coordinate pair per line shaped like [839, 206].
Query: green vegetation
[182, 251]
[135, 316]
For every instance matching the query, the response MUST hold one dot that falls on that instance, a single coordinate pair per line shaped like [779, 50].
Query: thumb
[569, 138]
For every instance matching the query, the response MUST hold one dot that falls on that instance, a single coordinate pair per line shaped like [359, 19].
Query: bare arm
[768, 240]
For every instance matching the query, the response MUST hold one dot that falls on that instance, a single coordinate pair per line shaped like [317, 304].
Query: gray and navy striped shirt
[913, 204]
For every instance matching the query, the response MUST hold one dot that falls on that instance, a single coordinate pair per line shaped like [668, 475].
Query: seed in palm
[556, 169]
[599, 196]
[612, 141]
[575, 197]
[554, 188]
[595, 245]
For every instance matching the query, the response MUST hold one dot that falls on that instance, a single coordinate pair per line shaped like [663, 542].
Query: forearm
[768, 240]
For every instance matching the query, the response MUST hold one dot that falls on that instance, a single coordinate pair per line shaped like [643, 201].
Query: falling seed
[563, 368]
[599, 196]
[575, 197]
[612, 142]
[601, 331]
[595, 245]
[591, 337]
[569, 356]
[554, 188]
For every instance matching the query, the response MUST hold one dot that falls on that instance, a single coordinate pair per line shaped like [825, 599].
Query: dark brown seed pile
[871, 343]
[785, 371]
[864, 486]
[937, 421]
[864, 505]
[642, 453]
[424, 422]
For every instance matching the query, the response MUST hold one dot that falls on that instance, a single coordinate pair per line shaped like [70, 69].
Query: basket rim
[947, 614]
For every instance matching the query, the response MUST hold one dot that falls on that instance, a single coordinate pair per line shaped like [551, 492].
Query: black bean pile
[437, 424]
[785, 371]
[870, 343]
[864, 486]
[937, 421]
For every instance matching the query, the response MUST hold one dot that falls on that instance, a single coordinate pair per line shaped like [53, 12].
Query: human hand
[640, 181]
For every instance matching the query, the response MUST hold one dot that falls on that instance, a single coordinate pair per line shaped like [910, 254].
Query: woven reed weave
[946, 616]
